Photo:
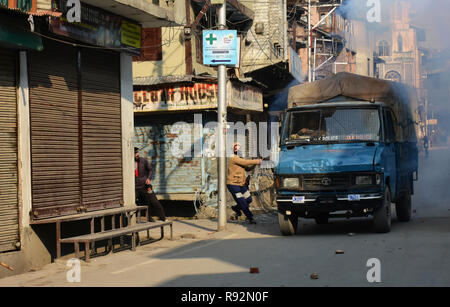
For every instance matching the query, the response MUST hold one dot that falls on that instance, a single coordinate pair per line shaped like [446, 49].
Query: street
[412, 254]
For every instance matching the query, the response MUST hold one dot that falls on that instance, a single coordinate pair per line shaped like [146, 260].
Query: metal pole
[426, 117]
[222, 122]
[309, 41]
[314, 64]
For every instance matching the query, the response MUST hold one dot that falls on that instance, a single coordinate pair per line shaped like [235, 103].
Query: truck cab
[344, 157]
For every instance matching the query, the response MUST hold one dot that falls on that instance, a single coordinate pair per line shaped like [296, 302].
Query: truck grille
[326, 182]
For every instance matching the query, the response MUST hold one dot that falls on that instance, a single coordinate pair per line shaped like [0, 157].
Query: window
[384, 49]
[389, 128]
[199, 48]
[334, 125]
[324, 22]
[400, 43]
[393, 76]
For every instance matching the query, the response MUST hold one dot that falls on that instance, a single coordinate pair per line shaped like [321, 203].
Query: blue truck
[348, 148]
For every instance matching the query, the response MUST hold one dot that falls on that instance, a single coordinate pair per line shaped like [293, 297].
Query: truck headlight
[378, 179]
[291, 183]
[363, 180]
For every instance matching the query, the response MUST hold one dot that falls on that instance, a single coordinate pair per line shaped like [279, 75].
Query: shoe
[251, 221]
[151, 219]
[237, 211]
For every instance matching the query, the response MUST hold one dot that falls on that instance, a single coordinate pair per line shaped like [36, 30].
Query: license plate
[298, 199]
[354, 197]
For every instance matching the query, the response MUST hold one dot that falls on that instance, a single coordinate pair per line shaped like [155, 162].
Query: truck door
[392, 151]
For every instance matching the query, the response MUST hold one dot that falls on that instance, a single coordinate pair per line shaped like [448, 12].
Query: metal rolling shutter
[9, 210]
[172, 173]
[101, 129]
[54, 130]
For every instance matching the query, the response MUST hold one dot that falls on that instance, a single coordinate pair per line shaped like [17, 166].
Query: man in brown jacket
[236, 183]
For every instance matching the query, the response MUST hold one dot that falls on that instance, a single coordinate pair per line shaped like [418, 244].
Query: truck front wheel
[403, 208]
[382, 215]
[288, 223]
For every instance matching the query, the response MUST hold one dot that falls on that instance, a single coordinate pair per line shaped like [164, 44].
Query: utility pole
[222, 125]
[285, 39]
[309, 42]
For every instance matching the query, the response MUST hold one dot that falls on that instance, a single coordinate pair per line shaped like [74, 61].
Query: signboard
[131, 34]
[196, 97]
[244, 97]
[177, 97]
[432, 121]
[98, 28]
[220, 47]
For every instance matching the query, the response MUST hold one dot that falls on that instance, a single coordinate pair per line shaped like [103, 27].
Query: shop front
[14, 38]
[76, 124]
[75, 120]
[175, 128]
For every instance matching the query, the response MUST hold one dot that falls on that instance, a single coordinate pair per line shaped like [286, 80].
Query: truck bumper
[312, 205]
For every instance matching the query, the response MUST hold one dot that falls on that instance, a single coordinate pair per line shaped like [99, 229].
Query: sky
[433, 15]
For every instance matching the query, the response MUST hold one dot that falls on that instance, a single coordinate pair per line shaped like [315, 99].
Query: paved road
[412, 254]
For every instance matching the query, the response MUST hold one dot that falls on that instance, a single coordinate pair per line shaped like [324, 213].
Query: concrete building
[398, 55]
[66, 118]
[340, 39]
[398, 48]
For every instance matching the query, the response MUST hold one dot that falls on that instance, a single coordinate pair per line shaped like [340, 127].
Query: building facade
[341, 40]
[66, 118]
[399, 58]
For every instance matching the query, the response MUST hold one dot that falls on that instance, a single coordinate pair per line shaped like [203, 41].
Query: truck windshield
[333, 125]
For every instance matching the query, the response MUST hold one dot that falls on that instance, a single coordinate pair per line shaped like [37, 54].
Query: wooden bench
[124, 213]
[110, 234]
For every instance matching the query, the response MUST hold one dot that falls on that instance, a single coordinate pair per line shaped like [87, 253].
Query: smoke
[430, 20]
[431, 15]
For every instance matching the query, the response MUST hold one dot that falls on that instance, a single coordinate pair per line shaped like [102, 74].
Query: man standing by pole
[143, 189]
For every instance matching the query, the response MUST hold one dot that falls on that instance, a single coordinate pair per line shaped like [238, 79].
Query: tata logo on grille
[326, 181]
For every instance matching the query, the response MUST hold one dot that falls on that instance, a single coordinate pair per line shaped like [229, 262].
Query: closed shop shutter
[54, 130]
[170, 150]
[101, 129]
[9, 210]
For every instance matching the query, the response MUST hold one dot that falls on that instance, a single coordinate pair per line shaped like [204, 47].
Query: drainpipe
[285, 37]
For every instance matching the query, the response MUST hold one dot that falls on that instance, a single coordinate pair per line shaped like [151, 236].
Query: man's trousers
[242, 197]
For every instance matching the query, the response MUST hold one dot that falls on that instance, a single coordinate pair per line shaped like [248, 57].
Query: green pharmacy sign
[220, 47]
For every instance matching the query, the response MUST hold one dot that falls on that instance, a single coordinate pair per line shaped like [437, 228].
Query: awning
[144, 12]
[14, 34]
[20, 39]
[239, 17]
[274, 78]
